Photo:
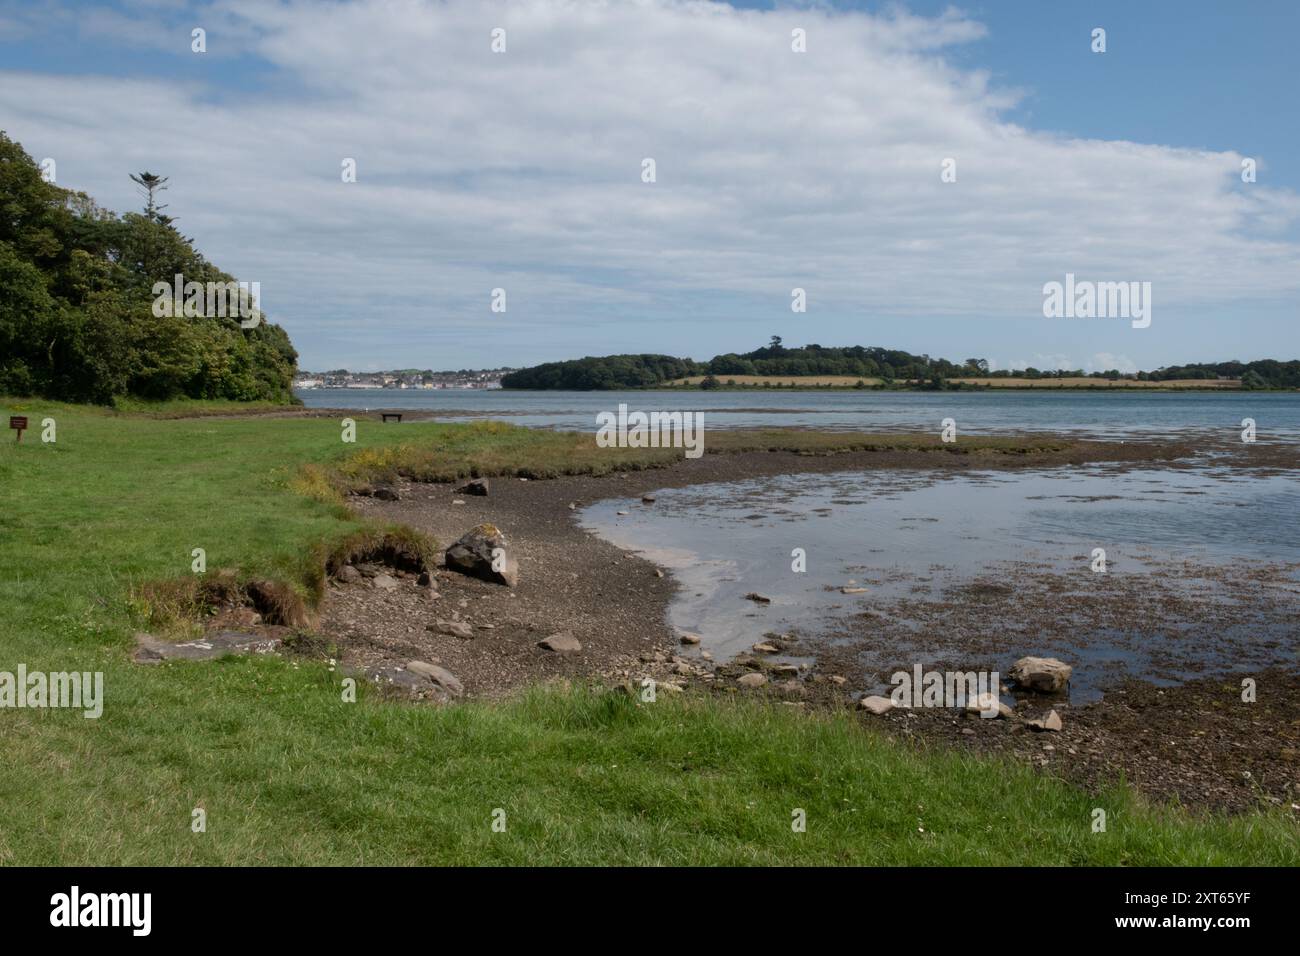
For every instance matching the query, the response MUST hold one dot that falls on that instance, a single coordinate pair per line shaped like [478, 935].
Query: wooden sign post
[18, 423]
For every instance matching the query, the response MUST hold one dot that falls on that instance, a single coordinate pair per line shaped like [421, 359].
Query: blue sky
[775, 170]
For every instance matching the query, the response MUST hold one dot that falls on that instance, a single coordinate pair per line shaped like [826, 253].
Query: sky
[774, 170]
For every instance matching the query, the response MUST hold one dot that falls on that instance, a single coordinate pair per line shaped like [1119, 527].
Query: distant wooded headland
[775, 365]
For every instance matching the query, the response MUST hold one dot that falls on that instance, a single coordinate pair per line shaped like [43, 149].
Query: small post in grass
[18, 423]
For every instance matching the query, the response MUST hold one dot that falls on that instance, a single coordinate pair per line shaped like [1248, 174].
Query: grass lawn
[289, 773]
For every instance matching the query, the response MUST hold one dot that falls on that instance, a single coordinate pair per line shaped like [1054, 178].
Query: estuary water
[1101, 414]
[1202, 566]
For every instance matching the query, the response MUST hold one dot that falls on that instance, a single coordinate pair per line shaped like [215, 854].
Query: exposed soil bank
[1196, 743]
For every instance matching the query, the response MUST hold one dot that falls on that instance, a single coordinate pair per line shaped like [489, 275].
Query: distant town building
[464, 379]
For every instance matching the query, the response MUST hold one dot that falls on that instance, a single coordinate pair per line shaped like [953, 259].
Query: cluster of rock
[1037, 675]
[385, 578]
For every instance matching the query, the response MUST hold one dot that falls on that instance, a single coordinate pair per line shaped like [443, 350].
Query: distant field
[813, 381]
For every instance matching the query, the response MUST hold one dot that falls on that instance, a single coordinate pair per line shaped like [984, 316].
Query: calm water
[1112, 415]
[913, 537]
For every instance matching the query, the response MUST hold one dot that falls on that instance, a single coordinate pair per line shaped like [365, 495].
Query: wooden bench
[394, 415]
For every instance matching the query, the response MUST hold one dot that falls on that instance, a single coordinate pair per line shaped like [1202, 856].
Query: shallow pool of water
[912, 537]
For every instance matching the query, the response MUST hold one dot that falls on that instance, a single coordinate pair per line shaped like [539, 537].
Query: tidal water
[1102, 414]
[916, 537]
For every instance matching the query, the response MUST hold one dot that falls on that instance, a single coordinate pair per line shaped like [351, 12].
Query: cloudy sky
[775, 169]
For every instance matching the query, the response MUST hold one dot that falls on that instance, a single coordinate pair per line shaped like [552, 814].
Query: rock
[648, 499]
[384, 582]
[853, 590]
[791, 688]
[684, 669]
[153, 650]
[561, 643]
[751, 680]
[479, 486]
[837, 679]
[690, 638]
[348, 574]
[438, 675]
[426, 579]
[573, 505]
[658, 573]
[988, 703]
[1042, 674]
[622, 512]
[757, 598]
[785, 670]
[458, 501]
[764, 648]
[705, 655]
[407, 683]
[877, 705]
[1051, 722]
[473, 554]
[454, 628]
[387, 493]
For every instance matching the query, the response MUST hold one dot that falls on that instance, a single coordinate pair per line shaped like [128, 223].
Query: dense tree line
[1265, 373]
[641, 371]
[864, 362]
[610, 371]
[76, 303]
[858, 360]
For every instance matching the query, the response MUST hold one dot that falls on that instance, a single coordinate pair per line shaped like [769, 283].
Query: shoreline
[1171, 742]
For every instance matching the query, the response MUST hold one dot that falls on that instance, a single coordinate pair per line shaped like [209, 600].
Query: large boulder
[1043, 674]
[481, 553]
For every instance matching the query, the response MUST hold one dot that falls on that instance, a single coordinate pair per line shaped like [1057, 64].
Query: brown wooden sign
[18, 423]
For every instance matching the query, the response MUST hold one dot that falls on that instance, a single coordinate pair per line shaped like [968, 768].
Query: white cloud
[522, 170]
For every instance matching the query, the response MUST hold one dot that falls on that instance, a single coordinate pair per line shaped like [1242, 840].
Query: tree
[150, 185]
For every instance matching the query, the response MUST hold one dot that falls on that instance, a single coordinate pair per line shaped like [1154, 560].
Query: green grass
[493, 448]
[288, 773]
